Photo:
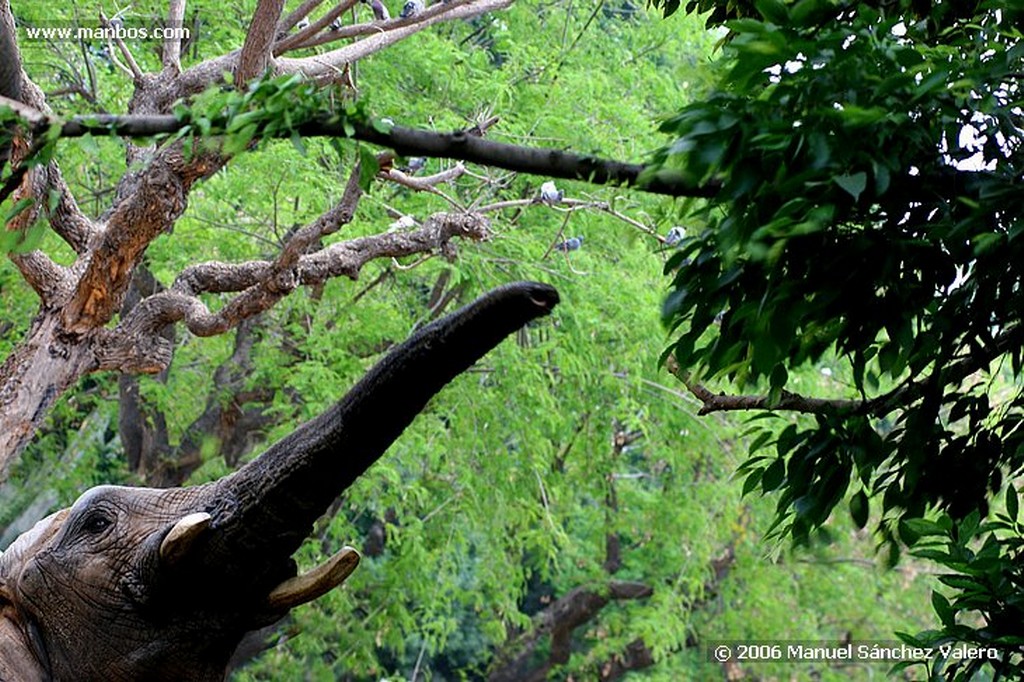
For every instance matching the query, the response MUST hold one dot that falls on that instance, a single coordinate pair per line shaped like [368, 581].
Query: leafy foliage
[497, 500]
[868, 157]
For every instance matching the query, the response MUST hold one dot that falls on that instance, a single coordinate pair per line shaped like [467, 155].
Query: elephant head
[149, 584]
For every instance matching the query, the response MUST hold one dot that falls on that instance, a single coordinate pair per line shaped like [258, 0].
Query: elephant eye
[94, 524]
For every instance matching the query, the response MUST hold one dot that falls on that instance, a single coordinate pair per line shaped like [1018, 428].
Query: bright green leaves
[368, 167]
[268, 108]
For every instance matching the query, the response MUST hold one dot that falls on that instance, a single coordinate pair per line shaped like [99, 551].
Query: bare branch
[171, 58]
[375, 27]
[464, 145]
[300, 39]
[132, 69]
[66, 218]
[261, 285]
[51, 281]
[256, 56]
[297, 15]
[428, 183]
[787, 401]
[148, 207]
[902, 396]
[325, 67]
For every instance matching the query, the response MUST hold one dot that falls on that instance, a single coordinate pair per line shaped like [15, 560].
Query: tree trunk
[44, 365]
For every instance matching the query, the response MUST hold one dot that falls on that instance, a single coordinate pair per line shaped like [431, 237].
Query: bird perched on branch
[675, 235]
[570, 244]
[415, 165]
[380, 12]
[412, 8]
[551, 194]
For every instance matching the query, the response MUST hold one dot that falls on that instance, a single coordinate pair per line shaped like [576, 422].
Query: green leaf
[854, 184]
[1012, 502]
[942, 607]
[859, 509]
[368, 168]
[773, 11]
[753, 478]
[773, 475]
[779, 376]
[381, 125]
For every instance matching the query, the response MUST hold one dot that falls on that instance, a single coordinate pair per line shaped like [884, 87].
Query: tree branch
[463, 145]
[903, 395]
[150, 204]
[300, 39]
[259, 290]
[50, 281]
[297, 15]
[171, 57]
[256, 56]
[325, 67]
[560, 619]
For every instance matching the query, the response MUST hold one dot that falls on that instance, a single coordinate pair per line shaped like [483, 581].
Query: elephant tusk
[315, 583]
[182, 536]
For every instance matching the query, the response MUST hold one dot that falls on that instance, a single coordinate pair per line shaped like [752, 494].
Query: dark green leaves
[859, 509]
[854, 184]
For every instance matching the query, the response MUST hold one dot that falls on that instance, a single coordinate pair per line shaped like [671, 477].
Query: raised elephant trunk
[176, 577]
[268, 507]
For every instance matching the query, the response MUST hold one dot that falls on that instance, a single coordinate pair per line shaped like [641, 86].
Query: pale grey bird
[412, 8]
[570, 244]
[380, 12]
[415, 165]
[675, 235]
[550, 193]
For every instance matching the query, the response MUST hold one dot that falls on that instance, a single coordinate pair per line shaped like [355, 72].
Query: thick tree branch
[559, 620]
[66, 218]
[10, 69]
[151, 203]
[50, 281]
[463, 145]
[256, 56]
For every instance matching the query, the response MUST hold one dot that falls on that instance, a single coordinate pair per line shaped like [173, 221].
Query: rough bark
[43, 366]
[10, 75]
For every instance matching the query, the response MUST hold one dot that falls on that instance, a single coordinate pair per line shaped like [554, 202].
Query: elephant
[162, 584]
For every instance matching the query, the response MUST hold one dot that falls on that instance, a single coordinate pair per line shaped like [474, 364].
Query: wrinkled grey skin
[86, 595]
